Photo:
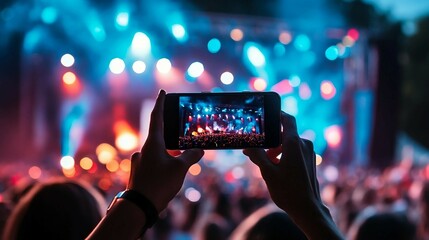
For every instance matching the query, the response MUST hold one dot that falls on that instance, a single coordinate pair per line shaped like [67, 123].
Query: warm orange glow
[126, 138]
[112, 166]
[86, 163]
[35, 172]
[105, 153]
[195, 169]
[125, 165]
[236, 34]
[259, 84]
[348, 41]
[69, 78]
[69, 172]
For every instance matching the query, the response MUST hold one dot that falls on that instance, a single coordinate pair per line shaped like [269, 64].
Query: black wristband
[143, 203]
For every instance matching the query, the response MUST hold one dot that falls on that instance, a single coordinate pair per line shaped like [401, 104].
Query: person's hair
[393, 226]
[58, 209]
[268, 222]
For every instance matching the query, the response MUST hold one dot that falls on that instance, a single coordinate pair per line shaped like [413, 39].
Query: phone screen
[221, 121]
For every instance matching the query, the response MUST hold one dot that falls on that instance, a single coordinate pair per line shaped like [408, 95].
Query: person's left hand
[156, 173]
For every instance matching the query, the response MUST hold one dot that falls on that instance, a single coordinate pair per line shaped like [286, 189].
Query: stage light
[226, 78]
[67, 60]
[332, 53]
[327, 89]
[236, 34]
[255, 56]
[260, 84]
[140, 45]
[285, 37]
[302, 43]
[163, 65]
[290, 104]
[192, 194]
[309, 134]
[86, 163]
[49, 15]
[195, 69]
[34, 172]
[105, 184]
[179, 32]
[117, 66]
[67, 162]
[69, 78]
[122, 19]
[214, 45]
[295, 81]
[195, 169]
[333, 136]
[139, 67]
[127, 141]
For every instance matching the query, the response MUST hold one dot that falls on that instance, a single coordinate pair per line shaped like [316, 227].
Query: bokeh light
[49, 15]
[179, 32]
[105, 153]
[331, 173]
[332, 53]
[141, 45]
[353, 33]
[327, 89]
[69, 172]
[238, 172]
[112, 166]
[237, 34]
[35, 172]
[122, 19]
[67, 60]
[195, 69]
[139, 67]
[255, 56]
[127, 141]
[117, 66]
[69, 78]
[302, 43]
[304, 91]
[290, 105]
[333, 136]
[67, 162]
[192, 194]
[259, 84]
[125, 165]
[226, 78]
[195, 169]
[163, 65]
[86, 163]
[319, 159]
[214, 45]
[283, 87]
[285, 37]
[295, 81]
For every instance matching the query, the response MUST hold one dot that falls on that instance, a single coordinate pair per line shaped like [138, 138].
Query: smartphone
[225, 120]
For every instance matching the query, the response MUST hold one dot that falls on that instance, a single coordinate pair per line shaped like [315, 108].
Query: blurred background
[78, 80]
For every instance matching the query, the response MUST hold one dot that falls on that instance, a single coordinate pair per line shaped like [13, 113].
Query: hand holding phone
[228, 120]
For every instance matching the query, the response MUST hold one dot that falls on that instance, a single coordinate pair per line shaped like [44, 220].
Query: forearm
[123, 221]
[318, 224]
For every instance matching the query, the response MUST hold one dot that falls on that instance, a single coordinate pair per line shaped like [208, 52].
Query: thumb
[191, 156]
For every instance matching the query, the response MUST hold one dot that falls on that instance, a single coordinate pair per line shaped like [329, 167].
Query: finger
[258, 156]
[290, 140]
[191, 156]
[156, 127]
[308, 152]
[134, 164]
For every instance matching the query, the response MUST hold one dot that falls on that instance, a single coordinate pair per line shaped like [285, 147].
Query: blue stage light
[179, 32]
[140, 45]
[332, 53]
[49, 15]
[302, 42]
[214, 45]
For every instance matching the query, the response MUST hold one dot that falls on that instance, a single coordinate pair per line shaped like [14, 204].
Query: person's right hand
[292, 181]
